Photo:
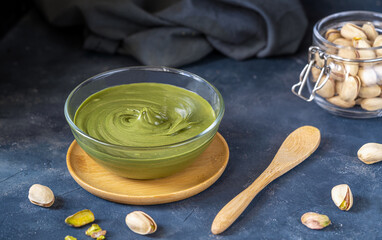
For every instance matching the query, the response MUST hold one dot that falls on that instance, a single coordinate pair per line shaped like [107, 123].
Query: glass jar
[344, 73]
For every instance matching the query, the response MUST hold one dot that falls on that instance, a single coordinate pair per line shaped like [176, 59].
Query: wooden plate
[189, 182]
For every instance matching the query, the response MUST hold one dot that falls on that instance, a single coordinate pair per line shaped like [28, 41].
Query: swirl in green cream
[144, 114]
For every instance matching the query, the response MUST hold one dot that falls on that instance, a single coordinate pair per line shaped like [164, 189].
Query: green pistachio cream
[144, 115]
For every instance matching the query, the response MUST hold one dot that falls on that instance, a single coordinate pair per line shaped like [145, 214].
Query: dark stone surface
[40, 65]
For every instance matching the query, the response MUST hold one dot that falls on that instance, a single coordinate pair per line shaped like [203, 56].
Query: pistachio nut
[369, 29]
[80, 218]
[378, 43]
[41, 195]
[70, 238]
[342, 197]
[363, 53]
[338, 87]
[369, 92]
[332, 34]
[141, 223]
[368, 76]
[95, 231]
[350, 88]
[372, 104]
[328, 90]
[338, 101]
[370, 153]
[350, 31]
[315, 220]
[343, 42]
[347, 53]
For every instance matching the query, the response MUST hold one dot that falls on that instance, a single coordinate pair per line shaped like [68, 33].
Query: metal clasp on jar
[325, 70]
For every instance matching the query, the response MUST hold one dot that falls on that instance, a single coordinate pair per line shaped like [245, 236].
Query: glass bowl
[144, 162]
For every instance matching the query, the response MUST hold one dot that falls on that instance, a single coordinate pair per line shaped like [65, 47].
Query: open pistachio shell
[332, 34]
[338, 86]
[370, 31]
[315, 221]
[350, 31]
[141, 223]
[362, 43]
[342, 197]
[350, 88]
[368, 76]
[80, 218]
[328, 90]
[378, 43]
[372, 104]
[41, 195]
[369, 92]
[343, 42]
[338, 101]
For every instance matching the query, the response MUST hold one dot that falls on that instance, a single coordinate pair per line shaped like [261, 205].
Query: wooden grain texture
[298, 146]
[194, 179]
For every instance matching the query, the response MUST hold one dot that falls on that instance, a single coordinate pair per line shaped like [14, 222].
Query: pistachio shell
[369, 92]
[369, 30]
[328, 89]
[337, 100]
[350, 89]
[347, 53]
[338, 71]
[378, 43]
[141, 223]
[370, 153]
[343, 42]
[315, 220]
[332, 34]
[368, 76]
[372, 104]
[342, 197]
[350, 31]
[338, 87]
[362, 43]
[315, 73]
[41, 195]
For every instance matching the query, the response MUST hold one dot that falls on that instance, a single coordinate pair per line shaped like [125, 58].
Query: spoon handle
[232, 210]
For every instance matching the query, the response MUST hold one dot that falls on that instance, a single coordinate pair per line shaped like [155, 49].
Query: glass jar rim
[144, 68]
[322, 21]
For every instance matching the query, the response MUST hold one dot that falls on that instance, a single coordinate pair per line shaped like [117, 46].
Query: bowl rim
[144, 68]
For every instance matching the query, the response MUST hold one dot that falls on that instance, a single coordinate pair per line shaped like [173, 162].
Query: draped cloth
[178, 32]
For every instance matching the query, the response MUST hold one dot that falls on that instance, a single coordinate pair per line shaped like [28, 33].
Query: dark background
[12, 11]
[41, 64]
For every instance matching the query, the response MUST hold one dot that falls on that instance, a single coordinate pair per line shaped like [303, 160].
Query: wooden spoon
[298, 146]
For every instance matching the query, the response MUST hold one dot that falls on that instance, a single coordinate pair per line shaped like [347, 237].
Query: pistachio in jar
[347, 52]
[355, 83]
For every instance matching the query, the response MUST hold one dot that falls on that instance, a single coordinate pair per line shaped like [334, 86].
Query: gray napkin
[178, 32]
